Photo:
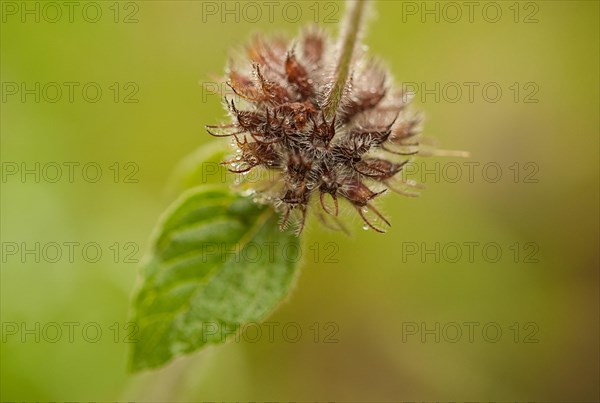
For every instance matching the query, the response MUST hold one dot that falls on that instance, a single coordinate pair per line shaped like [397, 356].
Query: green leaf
[201, 167]
[218, 261]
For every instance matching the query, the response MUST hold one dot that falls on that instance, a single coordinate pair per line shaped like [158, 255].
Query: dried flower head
[325, 119]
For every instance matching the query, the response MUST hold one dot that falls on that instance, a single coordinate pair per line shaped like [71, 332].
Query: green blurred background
[371, 290]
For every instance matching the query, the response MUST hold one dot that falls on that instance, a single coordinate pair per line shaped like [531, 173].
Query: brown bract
[278, 124]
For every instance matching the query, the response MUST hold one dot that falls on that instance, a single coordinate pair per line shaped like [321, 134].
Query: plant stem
[352, 25]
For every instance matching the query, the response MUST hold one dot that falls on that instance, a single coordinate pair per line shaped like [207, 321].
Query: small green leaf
[201, 167]
[218, 261]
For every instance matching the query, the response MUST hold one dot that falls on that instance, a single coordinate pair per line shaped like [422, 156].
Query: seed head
[317, 159]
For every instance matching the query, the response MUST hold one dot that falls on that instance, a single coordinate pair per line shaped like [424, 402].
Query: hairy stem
[352, 26]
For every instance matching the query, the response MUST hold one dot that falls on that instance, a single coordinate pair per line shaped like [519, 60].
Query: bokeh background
[372, 295]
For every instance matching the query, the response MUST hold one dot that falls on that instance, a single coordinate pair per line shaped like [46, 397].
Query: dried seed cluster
[279, 124]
